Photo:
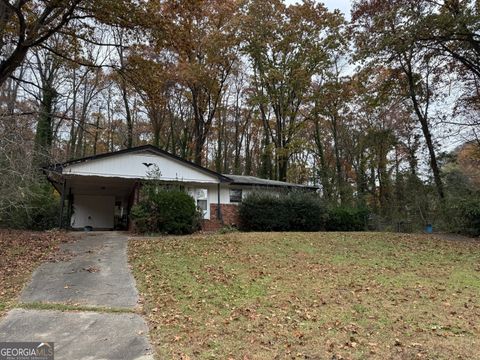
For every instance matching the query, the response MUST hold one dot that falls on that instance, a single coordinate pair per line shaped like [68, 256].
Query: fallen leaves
[309, 296]
[91, 269]
[20, 253]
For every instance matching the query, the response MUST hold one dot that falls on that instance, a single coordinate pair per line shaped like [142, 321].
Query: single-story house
[100, 190]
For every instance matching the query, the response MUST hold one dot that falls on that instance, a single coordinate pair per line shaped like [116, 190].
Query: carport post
[62, 204]
[219, 210]
[69, 208]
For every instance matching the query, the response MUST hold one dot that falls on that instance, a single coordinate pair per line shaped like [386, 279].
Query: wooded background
[380, 111]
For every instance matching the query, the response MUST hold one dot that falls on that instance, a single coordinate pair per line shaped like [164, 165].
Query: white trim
[123, 176]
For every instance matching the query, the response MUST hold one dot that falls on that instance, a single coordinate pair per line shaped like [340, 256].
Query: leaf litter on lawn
[310, 296]
[20, 253]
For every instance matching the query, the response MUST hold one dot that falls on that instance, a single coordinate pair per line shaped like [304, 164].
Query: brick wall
[229, 213]
[229, 216]
[211, 225]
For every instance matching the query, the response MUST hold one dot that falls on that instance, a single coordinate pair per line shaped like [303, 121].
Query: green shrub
[262, 212]
[228, 229]
[167, 211]
[471, 214]
[463, 215]
[282, 212]
[347, 219]
[305, 212]
[38, 209]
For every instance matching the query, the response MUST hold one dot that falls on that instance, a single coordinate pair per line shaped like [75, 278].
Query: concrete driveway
[97, 274]
[94, 273]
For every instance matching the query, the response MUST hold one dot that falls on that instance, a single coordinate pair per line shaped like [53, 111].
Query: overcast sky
[343, 5]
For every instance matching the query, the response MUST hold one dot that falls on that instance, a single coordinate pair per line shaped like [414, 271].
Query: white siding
[131, 166]
[96, 211]
[224, 194]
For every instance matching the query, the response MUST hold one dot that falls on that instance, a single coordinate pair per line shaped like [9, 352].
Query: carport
[98, 202]
[99, 191]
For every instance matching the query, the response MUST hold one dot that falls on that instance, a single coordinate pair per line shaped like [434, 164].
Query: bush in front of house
[305, 212]
[295, 211]
[37, 209]
[166, 211]
[344, 218]
[262, 212]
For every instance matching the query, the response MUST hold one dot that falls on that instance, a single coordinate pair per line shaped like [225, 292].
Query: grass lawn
[20, 253]
[310, 296]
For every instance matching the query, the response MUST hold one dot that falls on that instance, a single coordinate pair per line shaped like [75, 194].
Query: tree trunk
[323, 168]
[95, 139]
[128, 115]
[282, 165]
[266, 158]
[198, 150]
[248, 157]
[362, 186]
[80, 134]
[73, 133]
[44, 135]
[8, 66]
[338, 163]
[218, 155]
[426, 133]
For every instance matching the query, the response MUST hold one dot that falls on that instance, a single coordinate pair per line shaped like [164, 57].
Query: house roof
[139, 149]
[255, 181]
[234, 179]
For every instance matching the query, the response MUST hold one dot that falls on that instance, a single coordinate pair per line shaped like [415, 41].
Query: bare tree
[28, 24]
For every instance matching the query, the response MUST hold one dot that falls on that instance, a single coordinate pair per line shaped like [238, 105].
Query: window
[201, 196]
[235, 195]
[202, 205]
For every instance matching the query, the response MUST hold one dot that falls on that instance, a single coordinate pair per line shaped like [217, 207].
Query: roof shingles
[255, 181]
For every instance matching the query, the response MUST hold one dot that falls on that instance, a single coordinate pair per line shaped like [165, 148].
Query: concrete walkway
[95, 273]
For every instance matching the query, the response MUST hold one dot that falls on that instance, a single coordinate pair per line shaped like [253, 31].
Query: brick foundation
[229, 213]
[211, 225]
[229, 216]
